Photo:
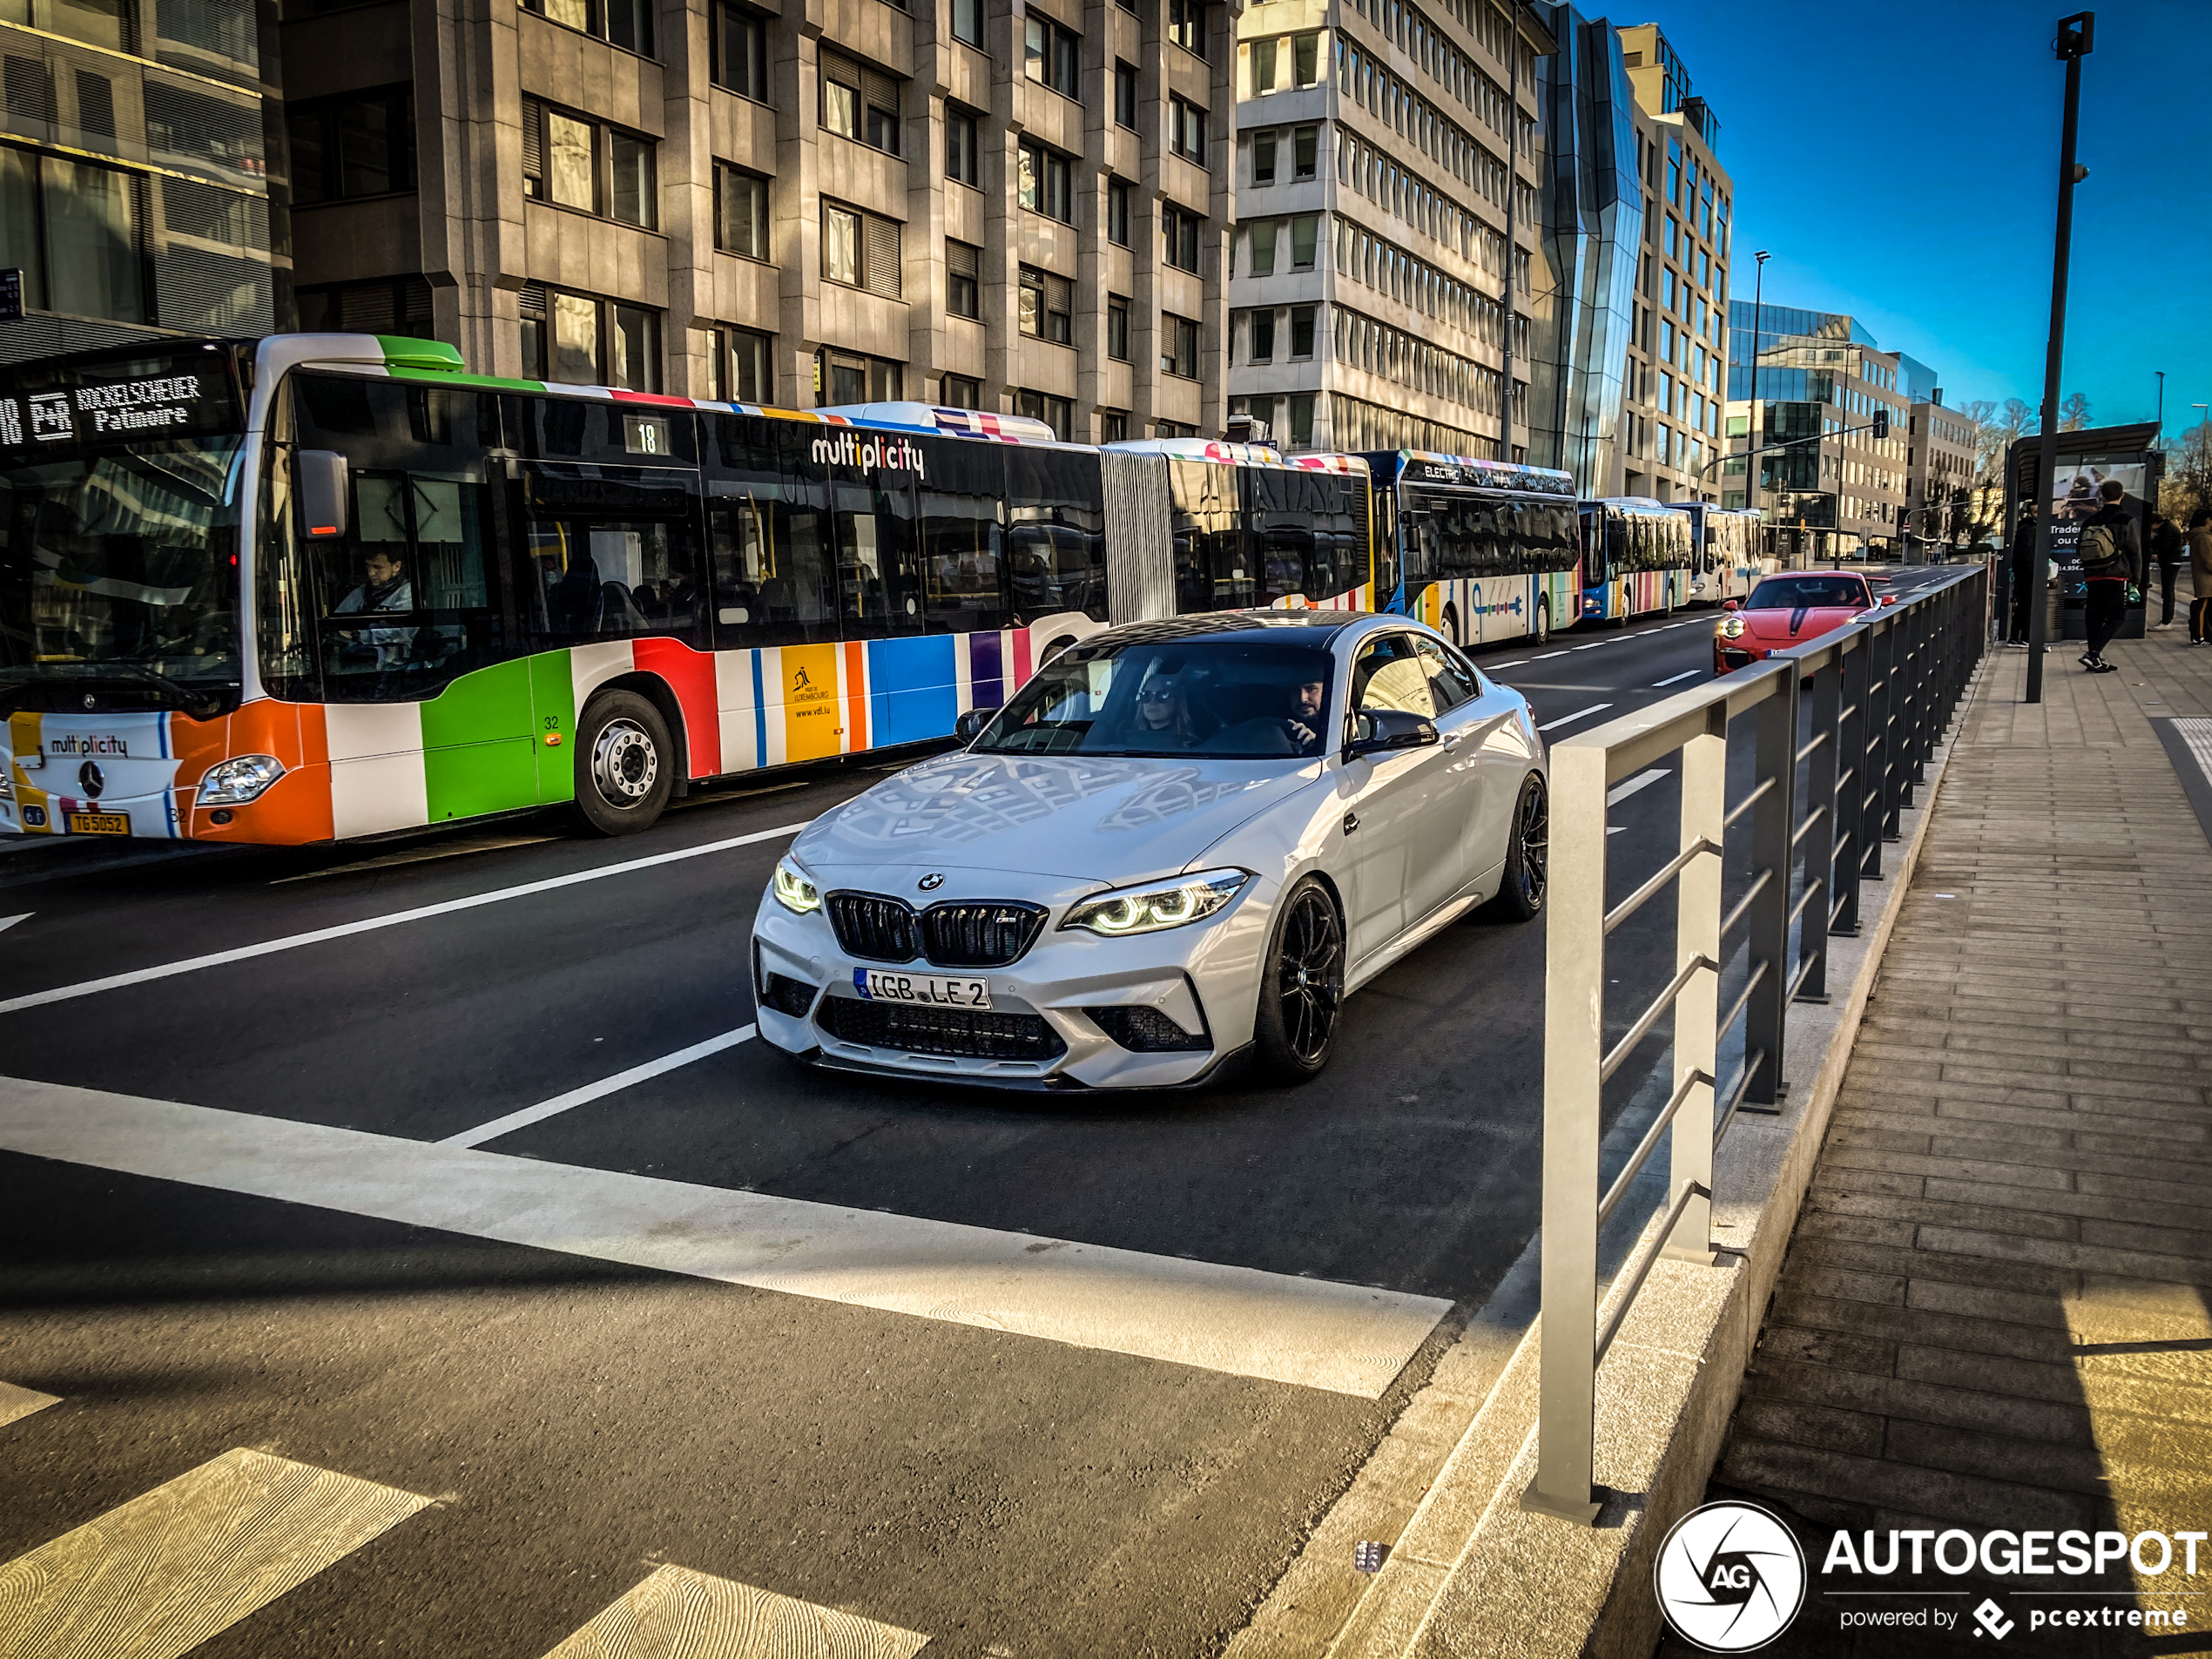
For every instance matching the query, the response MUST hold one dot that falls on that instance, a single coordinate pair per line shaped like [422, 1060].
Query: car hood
[1799, 621]
[1090, 818]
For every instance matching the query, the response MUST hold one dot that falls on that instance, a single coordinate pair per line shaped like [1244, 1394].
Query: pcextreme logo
[1730, 1578]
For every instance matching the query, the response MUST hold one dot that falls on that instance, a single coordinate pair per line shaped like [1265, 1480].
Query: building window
[1058, 412]
[740, 211]
[1052, 56]
[626, 24]
[1180, 347]
[860, 250]
[848, 377]
[1263, 241]
[587, 341]
[741, 53]
[959, 392]
[1180, 230]
[1117, 327]
[1046, 182]
[962, 147]
[1261, 347]
[1301, 419]
[576, 163]
[1302, 331]
[1305, 152]
[361, 145]
[1305, 238]
[859, 102]
[1306, 58]
[740, 368]
[1048, 306]
[1113, 426]
[1187, 25]
[1117, 211]
[1125, 96]
[1262, 66]
[967, 25]
[387, 305]
[963, 273]
[1187, 130]
[1264, 157]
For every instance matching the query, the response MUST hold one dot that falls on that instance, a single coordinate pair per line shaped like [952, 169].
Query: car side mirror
[970, 724]
[1375, 730]
[1889, 598]
[320, 476]
[1729, 605]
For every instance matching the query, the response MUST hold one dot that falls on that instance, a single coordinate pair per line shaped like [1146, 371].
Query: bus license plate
[930, 990]
[98, 823]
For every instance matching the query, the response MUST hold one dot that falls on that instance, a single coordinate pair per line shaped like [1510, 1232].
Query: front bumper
[1729, 655]
[1204, 977]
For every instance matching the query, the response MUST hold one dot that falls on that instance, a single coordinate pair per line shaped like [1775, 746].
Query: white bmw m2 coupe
[1179, 847]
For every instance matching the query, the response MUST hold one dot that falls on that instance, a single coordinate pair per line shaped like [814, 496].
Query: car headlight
[236, 781]
[1157, 904]
[1731, 627]
[793, 890]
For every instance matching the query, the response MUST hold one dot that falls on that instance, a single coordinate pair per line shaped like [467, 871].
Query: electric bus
[1725, 558]
[1635, 558]
[326, 586]
[1485, 551]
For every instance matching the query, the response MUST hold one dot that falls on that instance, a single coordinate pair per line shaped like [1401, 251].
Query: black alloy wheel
[1302, 991]
[1527, 874]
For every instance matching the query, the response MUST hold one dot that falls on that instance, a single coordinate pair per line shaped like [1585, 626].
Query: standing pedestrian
[2201, 575]
[2023, 570]
[2165, 549]
[2112, 563]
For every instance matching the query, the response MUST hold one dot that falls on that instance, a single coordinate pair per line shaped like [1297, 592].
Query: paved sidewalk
[1994, 1311]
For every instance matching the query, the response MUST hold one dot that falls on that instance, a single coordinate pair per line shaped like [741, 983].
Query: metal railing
[1881, 692]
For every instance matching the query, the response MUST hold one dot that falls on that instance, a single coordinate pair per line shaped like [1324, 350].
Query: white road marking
[679, 1614]
[1620, 792]
[7, 922]
[1548, 655]
[294, 941]
[1677, 679]
[1615, 829]
[1311, 1333]
[157, 1576]
[1594, 644]
[1548, 725]
[17, 1404]
[1516, 662]
[605, 1086]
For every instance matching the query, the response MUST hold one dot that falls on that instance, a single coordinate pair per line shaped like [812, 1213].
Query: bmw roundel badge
[931, 882]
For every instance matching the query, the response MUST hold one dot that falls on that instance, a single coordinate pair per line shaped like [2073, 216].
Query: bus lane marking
[1548, 725]
[622, 1080]
[372, 924]
[7, 922]
[1620, 792]
[1239, 1321]
[1676, 679]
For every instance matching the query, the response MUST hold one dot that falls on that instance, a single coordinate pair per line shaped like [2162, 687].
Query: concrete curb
[1475, 1573]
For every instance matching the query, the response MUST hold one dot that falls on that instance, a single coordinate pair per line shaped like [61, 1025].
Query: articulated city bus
[1725, 557]
[322, 586]
[1635, 558]
[1485, 551]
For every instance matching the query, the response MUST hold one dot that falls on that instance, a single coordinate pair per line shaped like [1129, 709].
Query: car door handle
[1350, 822]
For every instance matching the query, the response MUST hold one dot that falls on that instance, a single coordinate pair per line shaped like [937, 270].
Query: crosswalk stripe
[17, 1404]
[678, 1614]
[1278, 1327]
[158, 1575]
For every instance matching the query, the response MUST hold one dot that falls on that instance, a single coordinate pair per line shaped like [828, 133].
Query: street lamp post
[2161, 402]
[2076, 40]
[1751, 423]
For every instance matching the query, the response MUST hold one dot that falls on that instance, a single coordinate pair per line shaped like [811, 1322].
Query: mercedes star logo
[931, 882]
[89, 775]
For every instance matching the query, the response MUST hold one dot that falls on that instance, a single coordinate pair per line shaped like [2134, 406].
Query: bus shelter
[2085, 460]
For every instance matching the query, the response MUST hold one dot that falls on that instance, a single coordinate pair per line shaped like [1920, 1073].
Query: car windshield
[1231, 700]
[1788, 592]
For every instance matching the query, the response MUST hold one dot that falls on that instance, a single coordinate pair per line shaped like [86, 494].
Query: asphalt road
[581, 1419]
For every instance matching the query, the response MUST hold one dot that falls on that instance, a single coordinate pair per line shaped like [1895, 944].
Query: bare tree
[2187, 485]
[2074, 414]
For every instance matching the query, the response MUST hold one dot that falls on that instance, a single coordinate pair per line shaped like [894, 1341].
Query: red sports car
[1788, 609]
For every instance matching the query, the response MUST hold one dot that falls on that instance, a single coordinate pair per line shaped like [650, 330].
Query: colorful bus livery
[1482, 550]
[1635, 558]
[380, 594]
[1726, 559]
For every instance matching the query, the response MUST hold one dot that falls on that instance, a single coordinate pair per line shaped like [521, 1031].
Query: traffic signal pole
[2076, 40]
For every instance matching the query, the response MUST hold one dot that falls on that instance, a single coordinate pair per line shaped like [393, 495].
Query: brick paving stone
[1997, 1308]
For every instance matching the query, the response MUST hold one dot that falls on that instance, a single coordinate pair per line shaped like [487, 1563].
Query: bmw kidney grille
[957, 934]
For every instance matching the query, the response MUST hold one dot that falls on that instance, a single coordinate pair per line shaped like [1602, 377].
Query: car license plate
[98, 823]
[930, 989]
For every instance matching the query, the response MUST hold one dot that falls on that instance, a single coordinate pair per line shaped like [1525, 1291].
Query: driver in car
[1303, 722]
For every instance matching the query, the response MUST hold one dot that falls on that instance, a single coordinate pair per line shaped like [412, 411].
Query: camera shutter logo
[1730, 1578]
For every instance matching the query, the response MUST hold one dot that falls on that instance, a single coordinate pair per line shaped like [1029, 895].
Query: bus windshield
[118, 556]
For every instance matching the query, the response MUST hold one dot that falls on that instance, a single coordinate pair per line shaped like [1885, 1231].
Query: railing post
[1767, 928]
[1852, 747]
[1573, 1039]
[1881, 653]
[1895, 734]
[1697, 934]
[1821, 807]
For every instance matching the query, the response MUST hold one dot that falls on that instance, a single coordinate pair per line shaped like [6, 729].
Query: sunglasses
[1157, 694]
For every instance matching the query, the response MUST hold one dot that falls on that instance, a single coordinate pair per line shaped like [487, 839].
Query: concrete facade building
[1939, 449]
[1386, 180]
[1017, 209]
[136, 144]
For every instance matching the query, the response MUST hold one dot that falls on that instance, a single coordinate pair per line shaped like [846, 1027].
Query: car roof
[1312, 627]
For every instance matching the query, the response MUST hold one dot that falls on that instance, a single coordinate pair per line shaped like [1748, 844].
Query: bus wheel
[1543, 622]
[623, 763]
[1451, 629]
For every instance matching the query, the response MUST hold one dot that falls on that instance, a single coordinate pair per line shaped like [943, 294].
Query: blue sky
[1900, 161]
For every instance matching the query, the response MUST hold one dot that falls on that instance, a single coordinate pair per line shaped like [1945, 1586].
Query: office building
[1827, 484]
[135, 140]
[1939, 450]
[1019, 210]
[1387, 183]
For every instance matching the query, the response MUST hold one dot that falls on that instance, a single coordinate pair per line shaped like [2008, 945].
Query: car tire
[1527, 872]
[1294, 1031]
[625, 766]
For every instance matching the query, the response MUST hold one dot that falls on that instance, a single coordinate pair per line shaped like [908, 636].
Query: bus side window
[604, 579]
[1055, 541]
[963, 578]
[1282, 526]
[872, 539]
[1213, 569]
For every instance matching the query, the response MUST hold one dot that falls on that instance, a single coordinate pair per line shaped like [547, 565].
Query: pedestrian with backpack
[2112, 563]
